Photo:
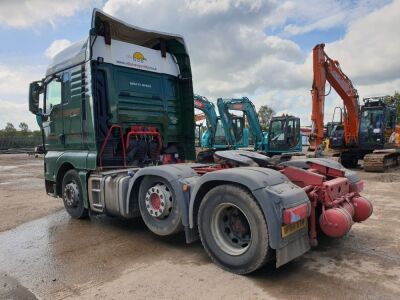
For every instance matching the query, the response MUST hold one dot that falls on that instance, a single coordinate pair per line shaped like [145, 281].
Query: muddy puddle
[56, 253]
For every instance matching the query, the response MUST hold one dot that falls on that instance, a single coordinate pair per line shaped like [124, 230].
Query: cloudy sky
[255, 48]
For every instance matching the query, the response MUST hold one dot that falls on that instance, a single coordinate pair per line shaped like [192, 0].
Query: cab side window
[53, 95]
[66, 87]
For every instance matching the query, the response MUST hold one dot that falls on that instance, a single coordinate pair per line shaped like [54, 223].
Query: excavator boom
[326, 69]
[208, 109]
[248, 109]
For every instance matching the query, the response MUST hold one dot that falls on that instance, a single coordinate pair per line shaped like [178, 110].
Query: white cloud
[309, 15]
[232, 55]
[370, 51]
[14, 86]
[27, 13]
[56, 47]
[229, 49]
[14, 81]
[15, 113]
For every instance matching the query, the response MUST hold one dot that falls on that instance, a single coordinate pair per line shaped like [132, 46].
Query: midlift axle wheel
[233, 229]
[159, 201]
[158, 206]
[72, 195]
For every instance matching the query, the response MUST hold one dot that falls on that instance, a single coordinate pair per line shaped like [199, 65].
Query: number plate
[292, 228]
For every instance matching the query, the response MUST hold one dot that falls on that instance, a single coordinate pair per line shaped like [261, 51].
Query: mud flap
[292, 250]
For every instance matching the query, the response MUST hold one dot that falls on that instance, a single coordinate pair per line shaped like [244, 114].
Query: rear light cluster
[295, 214]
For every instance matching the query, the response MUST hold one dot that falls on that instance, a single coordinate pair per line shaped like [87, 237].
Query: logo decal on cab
[138, 57]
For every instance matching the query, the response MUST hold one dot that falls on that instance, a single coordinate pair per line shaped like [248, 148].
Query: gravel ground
[44, 254]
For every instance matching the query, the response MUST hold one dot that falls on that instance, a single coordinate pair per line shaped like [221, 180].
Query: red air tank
[335, 222]
[348, 207]
[362, 209]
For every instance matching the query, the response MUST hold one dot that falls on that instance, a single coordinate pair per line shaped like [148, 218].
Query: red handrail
[103, 146]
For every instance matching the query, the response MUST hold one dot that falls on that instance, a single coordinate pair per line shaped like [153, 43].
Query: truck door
[71, 105]
[53, 122]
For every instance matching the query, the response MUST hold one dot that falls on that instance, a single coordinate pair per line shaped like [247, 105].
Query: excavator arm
[326, 69]
[208, 108]
[247, 107]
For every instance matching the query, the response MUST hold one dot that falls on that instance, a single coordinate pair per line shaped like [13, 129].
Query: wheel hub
[231, 229]
[155, 201]
[158, 201]
[238, 224]
[71, 194]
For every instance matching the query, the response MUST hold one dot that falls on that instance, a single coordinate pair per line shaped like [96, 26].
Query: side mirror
[35, 89]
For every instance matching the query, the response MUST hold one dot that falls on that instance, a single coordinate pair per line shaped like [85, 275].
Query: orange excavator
[326, 69]
[364, 132]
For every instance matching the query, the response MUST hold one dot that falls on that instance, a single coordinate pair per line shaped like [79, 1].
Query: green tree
[396, 97]
[10, 128]
[265, 114]
[23, 127]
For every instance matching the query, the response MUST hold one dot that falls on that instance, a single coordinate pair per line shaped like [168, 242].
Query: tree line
[20, 137]
[22, 131]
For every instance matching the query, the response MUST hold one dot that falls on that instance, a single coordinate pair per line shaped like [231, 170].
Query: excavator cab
[219, 138]
[284, 135]
[336, 136]
[238, 127]
[377, 123]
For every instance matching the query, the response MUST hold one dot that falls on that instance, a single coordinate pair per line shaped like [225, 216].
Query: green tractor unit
[118, 135]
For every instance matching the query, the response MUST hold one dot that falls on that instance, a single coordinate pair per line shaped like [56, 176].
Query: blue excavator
[214, 137]
[284, 136]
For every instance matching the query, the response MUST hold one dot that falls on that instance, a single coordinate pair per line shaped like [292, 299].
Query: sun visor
[121, 31]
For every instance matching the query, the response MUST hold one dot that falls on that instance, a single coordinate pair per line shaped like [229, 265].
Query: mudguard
[271, 189]
[80, 160]
[176, 175]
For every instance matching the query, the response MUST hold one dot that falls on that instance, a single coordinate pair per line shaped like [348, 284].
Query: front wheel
[233, 229]
[72, 195]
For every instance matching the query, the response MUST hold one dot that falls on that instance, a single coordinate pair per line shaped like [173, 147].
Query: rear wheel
[158, 206]
[73, 196]
[233, 230]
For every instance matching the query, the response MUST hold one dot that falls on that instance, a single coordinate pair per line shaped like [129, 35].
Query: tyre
[158, 206]
[73, 196]
[233, 229]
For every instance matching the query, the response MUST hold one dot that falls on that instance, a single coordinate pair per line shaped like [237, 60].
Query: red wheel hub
[155, 201]
[158, 201]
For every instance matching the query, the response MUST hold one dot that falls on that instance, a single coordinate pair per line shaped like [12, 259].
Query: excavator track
[380, 161]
